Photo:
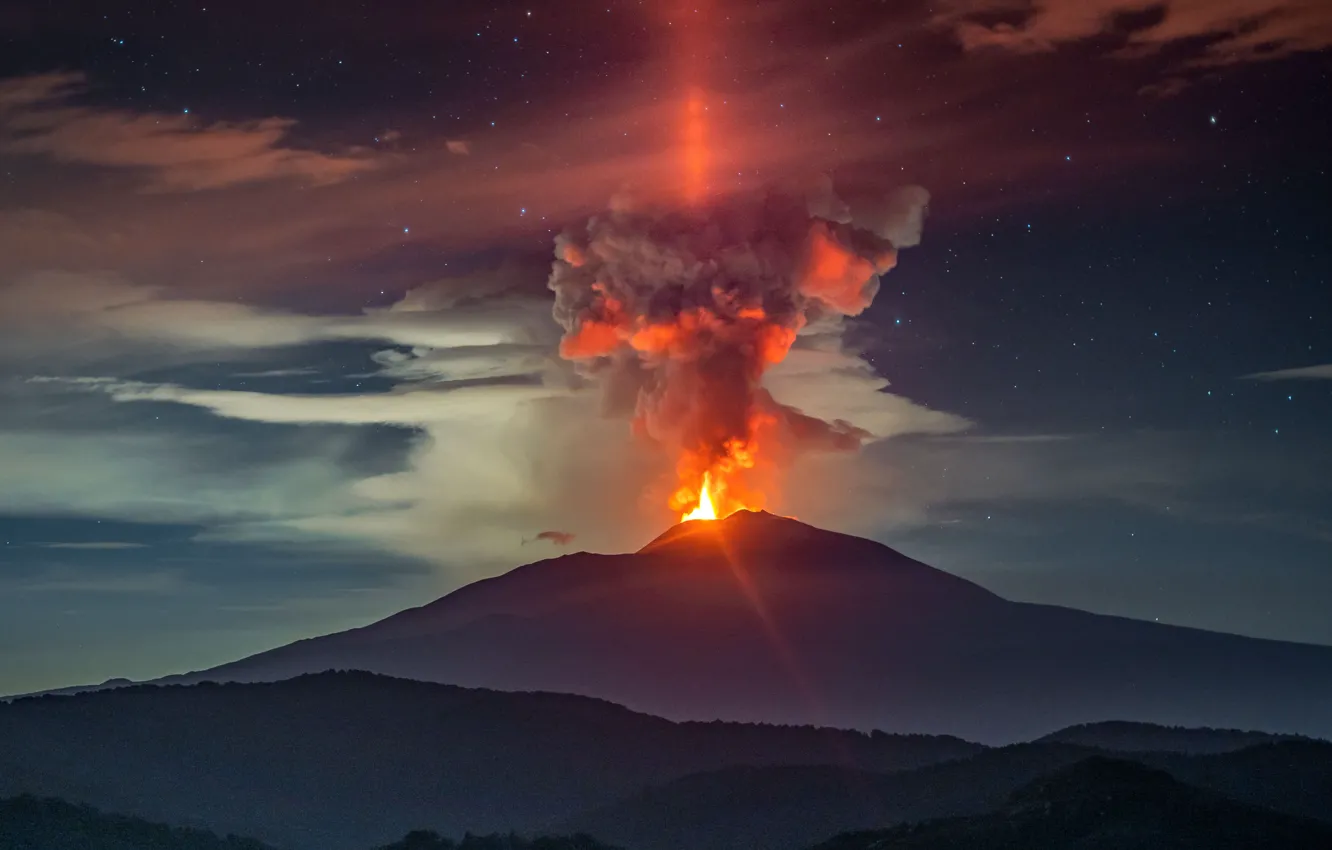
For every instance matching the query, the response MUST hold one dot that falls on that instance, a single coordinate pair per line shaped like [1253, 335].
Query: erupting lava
[705, 510]
[715, 493]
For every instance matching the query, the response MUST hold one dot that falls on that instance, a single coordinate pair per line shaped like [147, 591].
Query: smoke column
[679, 312]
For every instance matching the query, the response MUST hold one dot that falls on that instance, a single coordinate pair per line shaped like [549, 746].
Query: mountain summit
[762, 618]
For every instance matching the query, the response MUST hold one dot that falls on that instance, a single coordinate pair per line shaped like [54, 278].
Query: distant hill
[760, 618]
[30, 823]
[1290, 776]
[348, 760]
[786, 808]
[1124, 737]
[426, 840]
[1105, 804]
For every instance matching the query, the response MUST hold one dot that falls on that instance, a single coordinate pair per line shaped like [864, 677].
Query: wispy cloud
[503, 439]
[65, 580]
[176, 152]
[56, 317]
[1323, 372]
[277, 373]
[1219, 33]
[895, 485]
[102, 545]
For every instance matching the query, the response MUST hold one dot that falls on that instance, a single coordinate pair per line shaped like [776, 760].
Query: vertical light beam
[693, 53]
[696, 158]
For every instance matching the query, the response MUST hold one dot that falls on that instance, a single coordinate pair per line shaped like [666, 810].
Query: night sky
[249, 253]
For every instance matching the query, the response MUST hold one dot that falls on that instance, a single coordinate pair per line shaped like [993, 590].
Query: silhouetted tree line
[32, 823]
[428, 840]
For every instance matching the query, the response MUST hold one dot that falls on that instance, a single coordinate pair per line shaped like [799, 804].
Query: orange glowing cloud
[837, 275]
[592, 339]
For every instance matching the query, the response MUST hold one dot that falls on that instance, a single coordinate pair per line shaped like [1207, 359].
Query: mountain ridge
[767, 619]
[343, 761]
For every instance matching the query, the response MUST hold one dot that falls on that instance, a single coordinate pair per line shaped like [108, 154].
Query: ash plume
[679, 312]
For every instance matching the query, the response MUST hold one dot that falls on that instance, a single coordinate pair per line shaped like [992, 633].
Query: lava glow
[705, 510]
[718, 491]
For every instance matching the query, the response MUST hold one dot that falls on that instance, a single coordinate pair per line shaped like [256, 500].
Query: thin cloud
[1234, 32]
[52, 311]
[1322, 372]
[834, 385]
[137, 584]
[413, 407]
[277, 373]
[1013, 438]
[177, 152]
[102, 545]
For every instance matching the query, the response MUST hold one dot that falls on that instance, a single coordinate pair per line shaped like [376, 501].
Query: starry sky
[276, 347]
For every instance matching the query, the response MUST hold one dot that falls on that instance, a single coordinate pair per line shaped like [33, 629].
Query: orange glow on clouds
[837, 275]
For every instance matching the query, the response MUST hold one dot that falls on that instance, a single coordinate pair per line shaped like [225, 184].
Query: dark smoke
[559, 538]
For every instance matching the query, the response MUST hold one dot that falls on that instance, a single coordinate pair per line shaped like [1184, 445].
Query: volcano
[762, 618]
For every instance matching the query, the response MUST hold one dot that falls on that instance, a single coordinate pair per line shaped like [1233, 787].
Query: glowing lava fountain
[705, 510]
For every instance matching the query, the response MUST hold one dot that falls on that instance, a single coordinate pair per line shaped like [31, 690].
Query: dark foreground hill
[427, 840]
[1105, 804]
[759, 618]
[789, 807]
[348, 760]
[29, 823]
[1095, 803]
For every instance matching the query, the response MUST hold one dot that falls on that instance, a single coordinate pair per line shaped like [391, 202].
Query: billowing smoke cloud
[680, 312]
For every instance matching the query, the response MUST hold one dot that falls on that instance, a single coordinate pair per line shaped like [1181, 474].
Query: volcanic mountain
[761, 618]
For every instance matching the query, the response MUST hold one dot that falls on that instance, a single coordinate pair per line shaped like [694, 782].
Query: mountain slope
[760, 618]
[1105, 804]
[350, 760]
